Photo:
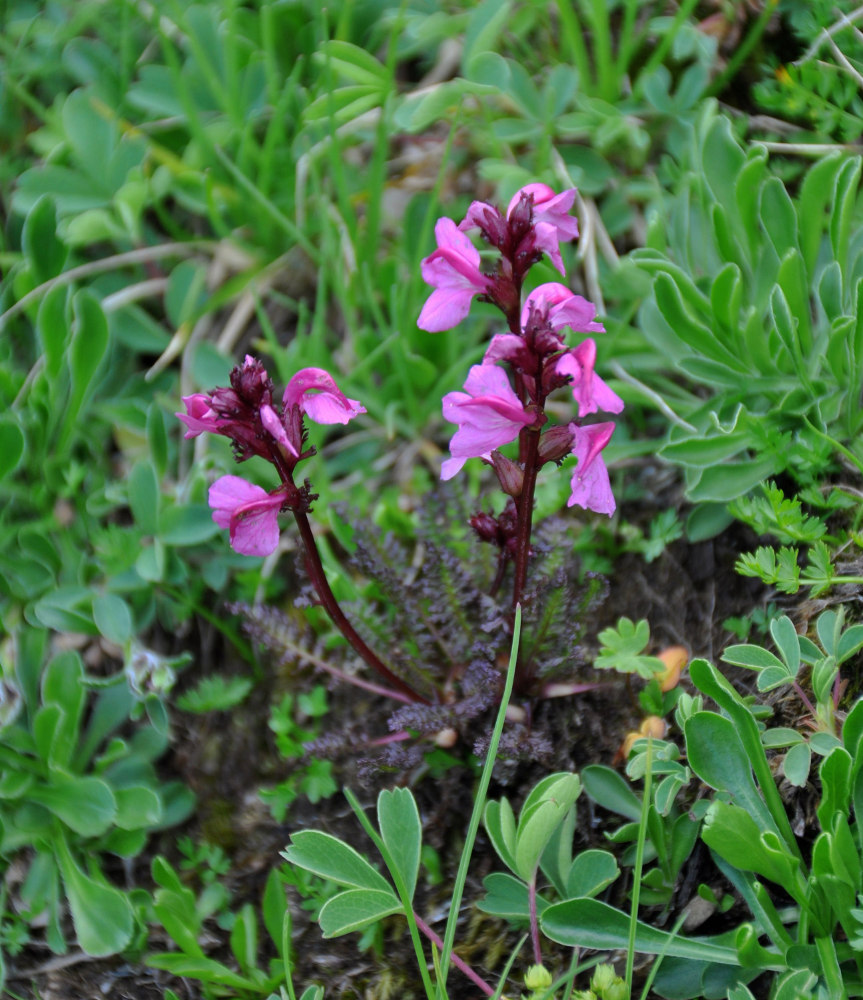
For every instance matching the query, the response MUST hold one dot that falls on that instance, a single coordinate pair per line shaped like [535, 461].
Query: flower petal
[249, 512]
[590, 485]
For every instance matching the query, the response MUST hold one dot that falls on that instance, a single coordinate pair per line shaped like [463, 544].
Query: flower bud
[509, 475]
[537, 977]
[604, 977]
[519, 218]
[485, 525]
[556, 443]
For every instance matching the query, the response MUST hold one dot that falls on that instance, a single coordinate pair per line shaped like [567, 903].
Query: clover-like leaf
[401, 831]
[356, 908]
[329, 857]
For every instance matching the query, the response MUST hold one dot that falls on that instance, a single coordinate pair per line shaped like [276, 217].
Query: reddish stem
[331, 606]
[456, 961]
[534, 920]
[524, 506]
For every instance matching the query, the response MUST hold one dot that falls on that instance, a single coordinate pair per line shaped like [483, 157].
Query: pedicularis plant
[504, 402]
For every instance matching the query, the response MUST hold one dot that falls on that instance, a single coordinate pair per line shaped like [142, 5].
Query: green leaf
[852, 730]
[189, 524]
[244, 938]
[796, 764]
[401, 831]
[53, 328]
[794, 282]
[835, 774]
[343, 105]
[157, 439]
[543, 811]
[778, 216]
[611, 790]
[332, 858]
[732, 479]
[356, 908]
[710, 682]
[816, 191]
[112, 617]
[690, 330]
[842, 210]
[718, 756]
[706, 450]
[201, 968]
[590, 873]
[499, 821]
[11, 445]
[722, 160]
[506, 896]
[785, 636]
[486, 22]
[589, 923]
[352, 62]
[621, 649]
[88, 348]
[732, 832]
[143, 491]
[850, 642]
[754, 657]
[138, 807]
[186, 294]
[101, 914]
[45, 251]
[214, 694]
[275, 910]
[85, 805]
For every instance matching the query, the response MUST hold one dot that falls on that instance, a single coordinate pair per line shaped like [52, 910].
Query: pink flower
[590, 486]
[275, 427]
[249, 512]
[199, 417]
[560, 307]
[588, 389]
[550, 208]
[453, 271]
[507, 347]
[318, 396]
[489, 415]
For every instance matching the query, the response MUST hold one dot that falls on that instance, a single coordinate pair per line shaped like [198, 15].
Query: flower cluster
[256, 425]
[494, 410]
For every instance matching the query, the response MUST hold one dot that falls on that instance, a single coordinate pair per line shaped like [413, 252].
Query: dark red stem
[524, 506]
[331, 605]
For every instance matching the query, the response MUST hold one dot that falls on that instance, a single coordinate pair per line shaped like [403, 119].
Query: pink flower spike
[489, 415]
[272, 424]
[590, 486]
[199, 416]
[318, 396]
[249, 512]
[588, 389]
[453, 271]
[551, 208]
[562, 308]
